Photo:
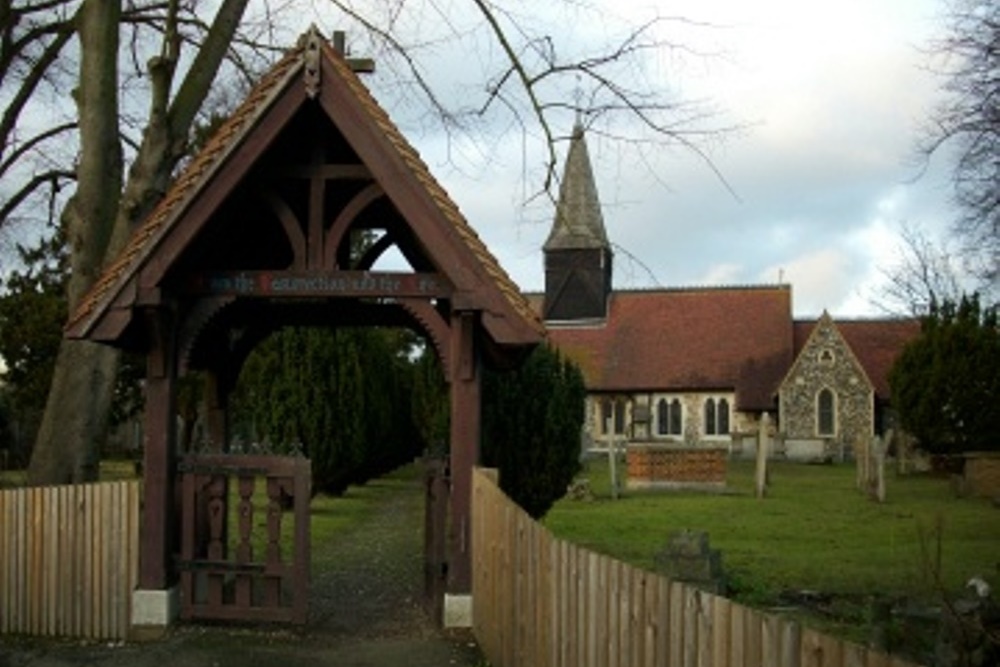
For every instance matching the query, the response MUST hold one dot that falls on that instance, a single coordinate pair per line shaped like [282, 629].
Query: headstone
[763, 444]
[688, 558]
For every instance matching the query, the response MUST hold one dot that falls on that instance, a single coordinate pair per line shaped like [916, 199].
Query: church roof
[875, 343]
[296, 80]
[687, 340]
[578, 222]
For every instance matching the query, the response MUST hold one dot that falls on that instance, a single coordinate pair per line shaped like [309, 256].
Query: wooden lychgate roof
[246, 216]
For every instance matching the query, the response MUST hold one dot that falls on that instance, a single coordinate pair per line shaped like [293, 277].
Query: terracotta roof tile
[688, 339]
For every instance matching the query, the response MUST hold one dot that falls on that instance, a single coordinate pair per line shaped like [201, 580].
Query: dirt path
[365, 610]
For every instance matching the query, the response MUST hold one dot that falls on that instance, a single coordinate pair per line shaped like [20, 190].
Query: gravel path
[365, 610]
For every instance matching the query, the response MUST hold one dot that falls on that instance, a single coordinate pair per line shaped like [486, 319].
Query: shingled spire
[577, 252]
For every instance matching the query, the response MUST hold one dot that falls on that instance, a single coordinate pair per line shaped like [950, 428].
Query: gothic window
[619, 416]
[825, 420]
[613, 413]
[716, 417]
[710, 426]
[668, 417]
[606, 414]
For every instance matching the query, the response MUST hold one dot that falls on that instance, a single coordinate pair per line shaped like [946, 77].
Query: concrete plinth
[153, 611]
[457, 610]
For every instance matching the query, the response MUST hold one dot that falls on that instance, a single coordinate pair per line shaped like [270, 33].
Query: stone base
[153, 611]
[457, 610]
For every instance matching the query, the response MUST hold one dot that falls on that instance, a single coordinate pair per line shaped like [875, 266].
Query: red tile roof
[688, 339]
[876, 344]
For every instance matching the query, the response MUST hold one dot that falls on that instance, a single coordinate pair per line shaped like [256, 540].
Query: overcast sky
[832, 96]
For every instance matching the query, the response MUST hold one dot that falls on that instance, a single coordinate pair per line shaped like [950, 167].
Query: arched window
[825, 422]
[675, 417]
[668, 417]
[662, 417]
[606, 415]
[716, 416]
[619, 416]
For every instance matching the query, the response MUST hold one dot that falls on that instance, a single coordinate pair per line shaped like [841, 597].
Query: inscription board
[314, 283]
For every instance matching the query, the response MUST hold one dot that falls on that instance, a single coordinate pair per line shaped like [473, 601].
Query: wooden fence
[69, 559]
[544, 602]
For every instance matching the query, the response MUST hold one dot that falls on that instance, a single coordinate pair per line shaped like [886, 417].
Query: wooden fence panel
[543, 602]
[69, 559]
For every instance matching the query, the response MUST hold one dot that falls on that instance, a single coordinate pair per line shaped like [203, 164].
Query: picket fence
[69, 559]
[544, 602]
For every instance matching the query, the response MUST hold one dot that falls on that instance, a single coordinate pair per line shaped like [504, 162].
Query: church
[699, 366]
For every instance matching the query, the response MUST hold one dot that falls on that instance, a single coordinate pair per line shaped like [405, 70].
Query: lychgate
[254, 235]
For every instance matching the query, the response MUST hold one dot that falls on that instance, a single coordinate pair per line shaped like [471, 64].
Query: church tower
[577, 252]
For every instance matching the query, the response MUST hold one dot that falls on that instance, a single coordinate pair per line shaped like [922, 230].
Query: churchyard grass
[814, 531]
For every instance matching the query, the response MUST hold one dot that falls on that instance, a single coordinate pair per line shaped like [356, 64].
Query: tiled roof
[688, 339]
[143, 242]
[511, 292]
[190, 181]
[876, 343]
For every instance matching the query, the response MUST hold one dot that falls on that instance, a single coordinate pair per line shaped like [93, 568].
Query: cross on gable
[358, 65]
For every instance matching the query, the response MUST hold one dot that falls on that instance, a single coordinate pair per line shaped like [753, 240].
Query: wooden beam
[155, 568]
[319, 284]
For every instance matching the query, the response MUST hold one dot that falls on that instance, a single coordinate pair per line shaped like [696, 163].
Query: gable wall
[854, 399]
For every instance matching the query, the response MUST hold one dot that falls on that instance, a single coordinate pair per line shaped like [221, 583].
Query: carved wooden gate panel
[240, 559]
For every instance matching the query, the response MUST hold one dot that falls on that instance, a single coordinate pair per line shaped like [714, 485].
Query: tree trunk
[75, 419]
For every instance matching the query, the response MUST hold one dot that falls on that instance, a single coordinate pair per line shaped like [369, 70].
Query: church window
[716, 417]
[619, 416]
[669, 418]
[825, 416]
[723, 416]
[612, 416]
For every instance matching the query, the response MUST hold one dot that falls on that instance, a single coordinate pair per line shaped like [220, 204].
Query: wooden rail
[69, 559]
[541, 601]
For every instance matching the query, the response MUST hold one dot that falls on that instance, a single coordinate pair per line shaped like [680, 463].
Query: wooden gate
[260, 570]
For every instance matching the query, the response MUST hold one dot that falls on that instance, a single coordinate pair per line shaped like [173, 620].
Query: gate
[246, 574]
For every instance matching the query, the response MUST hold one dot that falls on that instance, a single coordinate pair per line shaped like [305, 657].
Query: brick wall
[982, 473]
[665, 466]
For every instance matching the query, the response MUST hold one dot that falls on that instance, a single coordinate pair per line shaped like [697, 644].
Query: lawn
[814, 531]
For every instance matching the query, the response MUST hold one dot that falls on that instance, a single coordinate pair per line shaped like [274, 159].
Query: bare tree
[925, 274]
[107, 50]
[967, 127]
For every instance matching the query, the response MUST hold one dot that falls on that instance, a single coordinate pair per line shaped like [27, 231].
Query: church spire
[577, 252]
[578, 223]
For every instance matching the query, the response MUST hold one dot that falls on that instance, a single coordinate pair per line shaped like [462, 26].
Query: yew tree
[946, 383]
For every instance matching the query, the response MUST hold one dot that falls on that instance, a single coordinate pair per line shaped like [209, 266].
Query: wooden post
[612, 460]
[763, 444]
[465, 433]
[159, 455]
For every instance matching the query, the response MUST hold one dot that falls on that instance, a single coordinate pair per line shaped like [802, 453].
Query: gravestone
[688, 558]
